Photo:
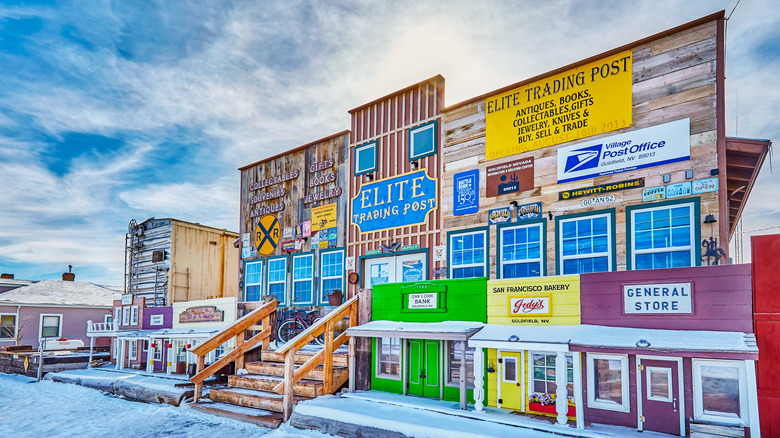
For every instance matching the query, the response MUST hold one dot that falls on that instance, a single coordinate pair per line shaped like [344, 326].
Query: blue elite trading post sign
[465, 195]
[654, 146]
[401, 201]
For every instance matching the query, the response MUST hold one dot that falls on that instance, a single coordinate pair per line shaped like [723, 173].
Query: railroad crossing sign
[267, 234]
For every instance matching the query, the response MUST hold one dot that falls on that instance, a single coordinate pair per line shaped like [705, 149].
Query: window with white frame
[132, 349]
[720, 391]
[585, 244]
[662, 237]
[365, 158]
[303, 279]
[454, 349]
[422, 141]
[181, 351]
[107, 319]
[608, 382]
[468, 254]
[542, 377]
[51, 326]
[118, 315]
[331, 273]
[388, 358]
[521, 251]
[134, 315]
[277, 279]
[157, 350]
[7, 326]
[116, 348]
[253, 280]
[126, 315]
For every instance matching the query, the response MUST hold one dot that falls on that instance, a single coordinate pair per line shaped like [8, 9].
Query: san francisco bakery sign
[202, 314]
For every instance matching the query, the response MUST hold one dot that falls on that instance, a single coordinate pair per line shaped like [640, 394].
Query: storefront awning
[744, 157]
[168, 333]
[448, 330]
[579, 337]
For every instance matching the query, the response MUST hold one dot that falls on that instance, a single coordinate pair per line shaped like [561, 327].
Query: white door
[392, 269]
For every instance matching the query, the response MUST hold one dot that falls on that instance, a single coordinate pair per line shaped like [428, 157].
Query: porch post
[150, 356]
[168, 358]
[463, 375]
[121, 359]
[479, 378]
[579, 408]
[752, 398]
[561, 393]
[91, 344]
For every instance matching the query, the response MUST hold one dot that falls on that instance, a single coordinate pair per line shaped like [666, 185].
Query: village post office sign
[658, 298]
[402, 201]
[587, 100]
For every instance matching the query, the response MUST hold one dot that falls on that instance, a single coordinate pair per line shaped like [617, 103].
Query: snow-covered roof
[417, 330]
[597, 336]
[171, 332]
[58, 292]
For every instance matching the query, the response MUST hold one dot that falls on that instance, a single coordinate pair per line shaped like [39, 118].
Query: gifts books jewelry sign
[587, 100]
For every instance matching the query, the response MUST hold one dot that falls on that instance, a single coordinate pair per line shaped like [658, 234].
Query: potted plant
[335, 297]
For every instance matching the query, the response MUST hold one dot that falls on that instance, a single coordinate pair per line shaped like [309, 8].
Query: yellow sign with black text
[551, 300]
[323, 217]
[587, 100]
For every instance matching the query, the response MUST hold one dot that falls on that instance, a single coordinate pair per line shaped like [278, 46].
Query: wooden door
[660, 396]
[510, 379]
[424, 363]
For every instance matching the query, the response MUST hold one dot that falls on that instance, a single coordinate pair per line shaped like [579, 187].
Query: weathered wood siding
[296, 210]
[674, 77]
[387, 120]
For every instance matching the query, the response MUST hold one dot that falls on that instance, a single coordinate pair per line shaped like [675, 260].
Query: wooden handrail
[236, 330]
[324, 326]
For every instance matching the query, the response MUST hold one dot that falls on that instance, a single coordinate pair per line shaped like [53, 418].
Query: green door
[424, 363]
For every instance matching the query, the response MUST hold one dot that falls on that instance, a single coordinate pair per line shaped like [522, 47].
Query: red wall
[766, 302]
[721, 298]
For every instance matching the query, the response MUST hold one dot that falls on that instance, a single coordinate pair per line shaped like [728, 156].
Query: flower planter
[549, 409]
[335, 299]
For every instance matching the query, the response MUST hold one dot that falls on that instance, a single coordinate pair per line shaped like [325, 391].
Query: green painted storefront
[426, 362]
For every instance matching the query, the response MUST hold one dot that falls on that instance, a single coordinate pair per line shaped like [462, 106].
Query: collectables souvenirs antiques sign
[465, 194]
[202, 314]
[515, 176]
[401, 201]
[648, 147]
[587, 100]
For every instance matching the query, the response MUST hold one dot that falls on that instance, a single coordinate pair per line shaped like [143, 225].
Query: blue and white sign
[678, 190]
[705, 185]
[529, 211]
[465, 194]
[653, 193]
[648, 147]
[401, 201]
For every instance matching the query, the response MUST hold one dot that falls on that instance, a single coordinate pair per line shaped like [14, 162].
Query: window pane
[422, 140]
[720, 389]
[608, 380]
[453, 375]
[510, 369]
[252, 293]
[659, 384]
[7, 326]
[389, 356]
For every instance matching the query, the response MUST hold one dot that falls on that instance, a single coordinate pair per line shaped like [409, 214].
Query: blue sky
[114, 110]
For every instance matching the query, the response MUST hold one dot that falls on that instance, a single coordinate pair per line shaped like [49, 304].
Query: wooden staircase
[283, 377]
[256, 389]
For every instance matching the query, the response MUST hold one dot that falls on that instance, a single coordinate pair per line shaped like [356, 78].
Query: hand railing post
[199, 386]
[289, 368]
[240, 337]
[327, 371]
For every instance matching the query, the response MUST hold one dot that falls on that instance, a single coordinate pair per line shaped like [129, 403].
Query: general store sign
[587, 100]
[654, 146]
[401, 201]
[662, 298]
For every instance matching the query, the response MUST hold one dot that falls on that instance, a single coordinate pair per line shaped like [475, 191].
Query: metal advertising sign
[267, 234]
[288, 246]
[499, 216]
[678, 190]
[587, 100]
[529, 211]
[401, 201]
[533, 305]
[302, 230]
[705, 185]
[202, 314]
[604, 188]
[515, 176]
[653, 194]
[465, 196]
[323, 217]
[658, 298]
[598, 200]
[653, 146]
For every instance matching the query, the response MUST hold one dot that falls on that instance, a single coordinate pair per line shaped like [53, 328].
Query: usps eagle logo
[583, 158]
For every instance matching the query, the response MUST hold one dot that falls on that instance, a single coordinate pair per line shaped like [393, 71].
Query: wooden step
[339, 358]
[277, 369]
[250, 398]
[307, 388]
[259, 417]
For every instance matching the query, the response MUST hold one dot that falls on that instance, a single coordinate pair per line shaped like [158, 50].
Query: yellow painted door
[511, 380]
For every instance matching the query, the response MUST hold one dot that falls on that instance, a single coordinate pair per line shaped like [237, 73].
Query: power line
[735, 8]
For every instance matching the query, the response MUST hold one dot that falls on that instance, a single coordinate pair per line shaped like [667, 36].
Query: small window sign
[127, 299]
[156, 320]
[424, 297]
[423, 301]
[658, 298]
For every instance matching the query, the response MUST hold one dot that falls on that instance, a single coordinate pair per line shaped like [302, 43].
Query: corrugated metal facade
[387, 120]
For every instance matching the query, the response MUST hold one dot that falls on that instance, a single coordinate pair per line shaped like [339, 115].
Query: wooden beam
[198, 386]
[226, 359]
[240, 337]
[289, 365]
[301, 371]
[327, 380]
[229, 332]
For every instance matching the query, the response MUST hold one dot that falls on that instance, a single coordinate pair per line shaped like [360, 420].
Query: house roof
[449, 330]
[58, 292]
[744, 157]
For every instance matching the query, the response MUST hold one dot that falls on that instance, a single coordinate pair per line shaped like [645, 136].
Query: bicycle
[293, 322]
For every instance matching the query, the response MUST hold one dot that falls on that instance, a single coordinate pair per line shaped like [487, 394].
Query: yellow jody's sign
[534, 301]
[587, 100]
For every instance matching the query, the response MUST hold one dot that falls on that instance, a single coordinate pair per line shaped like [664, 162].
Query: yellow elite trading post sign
[267, 234]
[534, 301]
[584, 101]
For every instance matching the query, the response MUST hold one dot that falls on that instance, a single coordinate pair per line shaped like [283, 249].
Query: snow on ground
[51, 409]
